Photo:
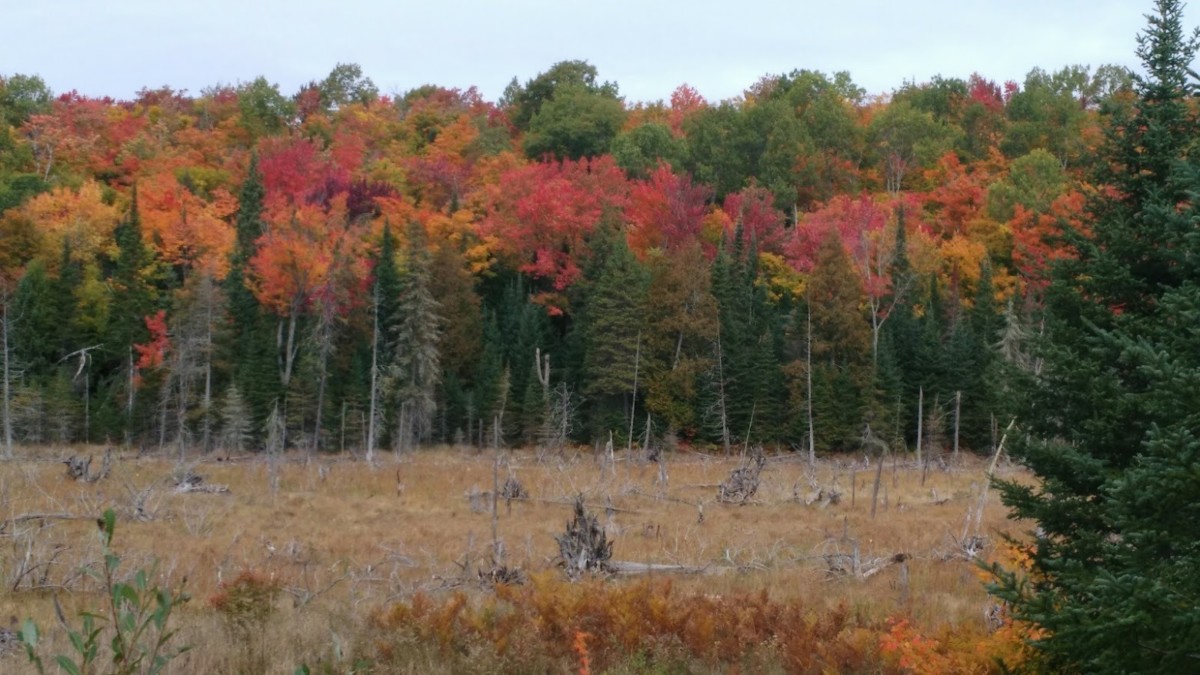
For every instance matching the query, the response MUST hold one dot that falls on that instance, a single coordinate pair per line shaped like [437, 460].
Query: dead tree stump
[79, 468]
[742, 483]
[584, 547]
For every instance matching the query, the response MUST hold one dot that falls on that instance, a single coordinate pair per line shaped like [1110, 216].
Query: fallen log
[630, 568]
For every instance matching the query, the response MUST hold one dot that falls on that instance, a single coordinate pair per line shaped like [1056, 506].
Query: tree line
[344, 270]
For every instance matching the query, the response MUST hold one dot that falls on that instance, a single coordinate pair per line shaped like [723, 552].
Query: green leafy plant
[134, 624]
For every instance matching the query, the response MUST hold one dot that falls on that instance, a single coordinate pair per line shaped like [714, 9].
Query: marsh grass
[344, 543]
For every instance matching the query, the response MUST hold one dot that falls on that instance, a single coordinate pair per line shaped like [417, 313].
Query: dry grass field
[344, 542]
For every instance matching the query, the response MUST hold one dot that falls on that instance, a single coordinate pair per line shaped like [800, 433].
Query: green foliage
[574, 124]
[1113, 415]
[612, 329]
[248, 342]
[22, 96]
[264, 110]
[1033, 182]
[841, 348]
[641, 149]
[525, 102]
[416, 369]
[134, 624]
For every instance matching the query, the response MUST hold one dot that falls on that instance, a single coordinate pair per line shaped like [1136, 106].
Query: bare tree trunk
[812, 438]
[920, 419]
[130, 388]
[637, 362]
[324, 346]
[957, 412]
[287, 345]
[721, 395]
[374, 397]
[7, 394]
[206, 438]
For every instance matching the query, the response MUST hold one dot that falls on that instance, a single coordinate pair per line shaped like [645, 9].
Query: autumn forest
[335, 269]
[989, 287]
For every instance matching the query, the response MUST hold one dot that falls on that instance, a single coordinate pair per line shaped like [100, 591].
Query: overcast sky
[117, 47]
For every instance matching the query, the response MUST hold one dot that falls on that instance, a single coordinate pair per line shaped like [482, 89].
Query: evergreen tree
[385, 297]
[841, 348]
[1113, 423]
[250, 356]
[897, 377]
[681, 327]
[134, 297]
[613, 332]
[416, 369]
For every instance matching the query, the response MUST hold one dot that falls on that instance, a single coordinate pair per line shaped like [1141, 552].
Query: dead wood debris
[513, 490]
[817, 494]
[842, 565]
[10, 640]
[968, 548]
[79, 468]
[584, 547]
[190, 481]
[742, 483]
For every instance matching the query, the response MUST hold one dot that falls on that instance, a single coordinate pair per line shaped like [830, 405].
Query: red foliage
[542, 214]
[665, 211]
[985, 92]
[294, 171]
[152, 354]
[1036, 237]
[685, 101]
[855, 219]
[959, 195]
[753, 208]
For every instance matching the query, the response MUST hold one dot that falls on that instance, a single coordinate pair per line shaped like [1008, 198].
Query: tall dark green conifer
[134, 297]
[612, 328]
[1113, 581]
[249, 350]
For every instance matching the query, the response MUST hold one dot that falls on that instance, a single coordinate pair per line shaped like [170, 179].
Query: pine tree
[385, 313]
[841, 348]
[416, 369]
[133, 297]
[612, 331]
[681, 327]
[897, 375]
[250, 338]
[1112, 580]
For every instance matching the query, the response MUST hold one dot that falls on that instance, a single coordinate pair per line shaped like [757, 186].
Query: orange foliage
[1036, 243]
[539, 626]
[186, 229]
[79, 218]
[309, 253]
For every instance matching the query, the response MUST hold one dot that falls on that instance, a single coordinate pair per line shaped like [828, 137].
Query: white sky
[116, 47]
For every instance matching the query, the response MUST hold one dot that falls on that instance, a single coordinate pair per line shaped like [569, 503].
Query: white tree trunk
[920, 420]
[812, 438]
[7, 380]
[371, 414]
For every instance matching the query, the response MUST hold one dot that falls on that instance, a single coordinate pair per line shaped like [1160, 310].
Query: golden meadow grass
[344, 541]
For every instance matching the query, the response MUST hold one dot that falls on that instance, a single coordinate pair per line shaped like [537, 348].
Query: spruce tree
[841, 349]
[134, 297]
[613, 330]
[249, 347]
[416, 366]
[1113, 422]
